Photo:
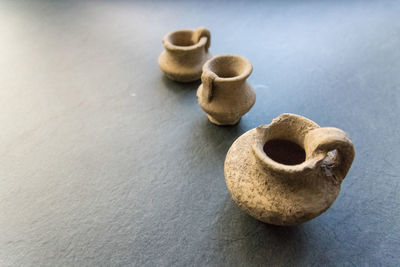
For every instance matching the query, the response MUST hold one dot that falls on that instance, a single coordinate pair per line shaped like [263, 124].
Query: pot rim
[170, 46]
[242, 76]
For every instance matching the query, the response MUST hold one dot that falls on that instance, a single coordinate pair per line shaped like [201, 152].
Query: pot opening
[228, 66]
[285, 151]
[227, 73]
[182, 39]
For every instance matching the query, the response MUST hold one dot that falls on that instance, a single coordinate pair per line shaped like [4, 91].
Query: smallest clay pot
[185, 53]
[225, 95]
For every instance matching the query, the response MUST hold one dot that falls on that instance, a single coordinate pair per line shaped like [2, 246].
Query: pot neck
[329, 151]
[230, 83]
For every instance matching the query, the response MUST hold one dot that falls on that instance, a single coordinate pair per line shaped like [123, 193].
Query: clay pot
[185, 53]
[289, 171]
[224, 94]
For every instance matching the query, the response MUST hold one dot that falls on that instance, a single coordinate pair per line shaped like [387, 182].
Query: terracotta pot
[224, 94]
[185, 53]
[289, 171]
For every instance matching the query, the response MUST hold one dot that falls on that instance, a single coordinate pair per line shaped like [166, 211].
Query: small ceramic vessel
[185, 53]
[225, 95]
[289, 171]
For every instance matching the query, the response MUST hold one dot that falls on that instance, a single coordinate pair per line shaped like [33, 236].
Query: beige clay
[185, 53]
[224, 94]
[283, 194]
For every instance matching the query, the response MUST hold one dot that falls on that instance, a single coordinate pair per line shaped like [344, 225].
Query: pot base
[223, 123]
[181, 73]
[188, 78]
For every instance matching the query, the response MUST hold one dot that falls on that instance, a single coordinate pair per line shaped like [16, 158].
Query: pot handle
[207, 79]
[319, 141]
[202, 32]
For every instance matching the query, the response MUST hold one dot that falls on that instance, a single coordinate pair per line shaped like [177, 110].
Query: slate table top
[105, 162]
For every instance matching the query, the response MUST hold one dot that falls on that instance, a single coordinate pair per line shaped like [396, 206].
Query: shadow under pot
[185, 53]
[225, 95]
[289, 171]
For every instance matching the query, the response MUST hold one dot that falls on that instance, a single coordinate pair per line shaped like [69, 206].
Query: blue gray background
[105, 162]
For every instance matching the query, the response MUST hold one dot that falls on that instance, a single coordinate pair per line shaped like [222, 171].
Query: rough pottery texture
[224, 94]
[185, 53]
[282, 194]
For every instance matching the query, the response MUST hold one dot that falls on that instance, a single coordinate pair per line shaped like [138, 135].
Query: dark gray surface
[105, 162]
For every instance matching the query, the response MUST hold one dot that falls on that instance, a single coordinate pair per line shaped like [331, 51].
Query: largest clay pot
[289, 171]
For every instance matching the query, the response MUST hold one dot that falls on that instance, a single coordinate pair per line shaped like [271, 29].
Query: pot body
[225, 95]
[282, 194]
[185, 53]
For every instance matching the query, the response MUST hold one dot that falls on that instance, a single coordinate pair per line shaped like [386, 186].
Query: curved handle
[207, 79]
[202, 32]
[318, 142]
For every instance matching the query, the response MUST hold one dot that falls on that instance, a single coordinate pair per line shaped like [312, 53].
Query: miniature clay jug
[224, 94]
[185, 53]
[289, 171]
